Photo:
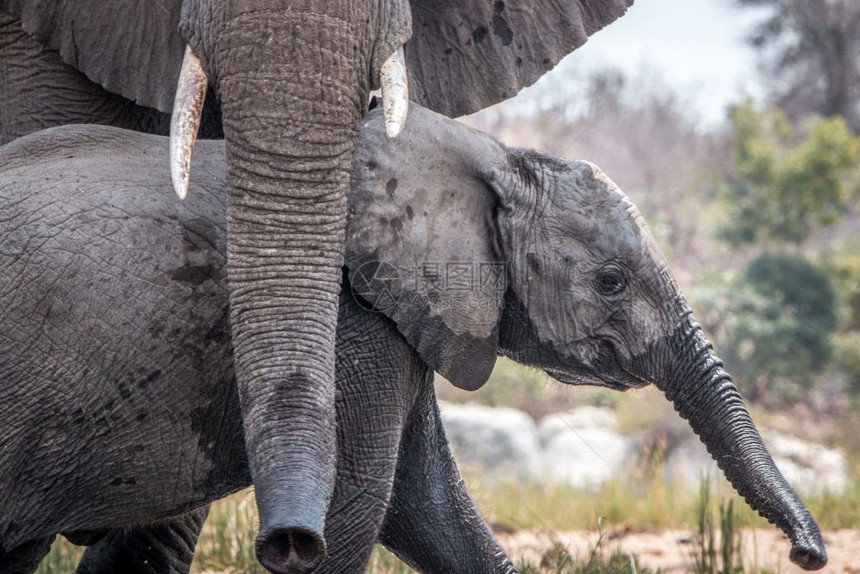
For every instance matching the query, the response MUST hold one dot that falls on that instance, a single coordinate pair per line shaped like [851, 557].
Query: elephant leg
[25, 559]
[432, 523]
[377, 373]
[164, 548]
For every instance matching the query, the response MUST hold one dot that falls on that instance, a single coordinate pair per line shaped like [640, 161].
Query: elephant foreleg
[432, 523]
[377, 376]
[164, 548]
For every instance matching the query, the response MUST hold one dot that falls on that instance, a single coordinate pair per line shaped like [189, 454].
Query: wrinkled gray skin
[113, 338]
[133, 293]
[291, 79]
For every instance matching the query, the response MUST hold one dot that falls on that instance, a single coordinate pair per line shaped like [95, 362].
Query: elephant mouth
[623, 383]
[604, 369]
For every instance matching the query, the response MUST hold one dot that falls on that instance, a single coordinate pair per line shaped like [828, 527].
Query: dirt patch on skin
[672, 550]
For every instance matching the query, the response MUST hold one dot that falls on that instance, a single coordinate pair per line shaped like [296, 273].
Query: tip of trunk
[704, 394]
[809, 554]
[290, 550]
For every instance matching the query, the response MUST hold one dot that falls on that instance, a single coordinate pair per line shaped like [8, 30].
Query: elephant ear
[129, 47]
[422, 242]
[465, 55]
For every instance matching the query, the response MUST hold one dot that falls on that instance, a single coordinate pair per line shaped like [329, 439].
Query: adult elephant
[292, 78]
[464, 248]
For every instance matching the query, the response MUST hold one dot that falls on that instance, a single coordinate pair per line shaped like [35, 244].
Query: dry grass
[624, 505]
[226, 543]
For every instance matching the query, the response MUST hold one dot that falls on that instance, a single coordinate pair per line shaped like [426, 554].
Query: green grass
[535, 507]
[640, 506]
[63, 558]
[833, 511]
[717, 548]
[640, 500]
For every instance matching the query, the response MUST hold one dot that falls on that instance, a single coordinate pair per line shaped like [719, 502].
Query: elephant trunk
[704, 394]
[291, 102]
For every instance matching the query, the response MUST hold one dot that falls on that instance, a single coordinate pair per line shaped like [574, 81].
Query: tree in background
[811, 51]
[783, 182]
[802, 313]
[786, 182]
[772, 324]
[843, 267]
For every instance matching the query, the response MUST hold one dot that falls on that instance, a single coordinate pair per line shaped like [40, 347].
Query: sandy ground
[671, 550]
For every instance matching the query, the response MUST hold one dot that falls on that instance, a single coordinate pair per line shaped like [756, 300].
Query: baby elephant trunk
[704, 394]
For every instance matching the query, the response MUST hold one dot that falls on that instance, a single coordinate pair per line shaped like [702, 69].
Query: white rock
[501, 443]
[582, 447]
[810, 468]
[688, 463]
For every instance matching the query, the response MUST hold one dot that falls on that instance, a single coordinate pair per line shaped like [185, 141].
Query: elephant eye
[610, 280]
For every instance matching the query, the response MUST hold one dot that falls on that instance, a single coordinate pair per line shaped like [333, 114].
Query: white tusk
[185, 121]
[395, 92]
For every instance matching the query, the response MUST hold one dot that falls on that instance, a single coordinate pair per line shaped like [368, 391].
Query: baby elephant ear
[422, 242]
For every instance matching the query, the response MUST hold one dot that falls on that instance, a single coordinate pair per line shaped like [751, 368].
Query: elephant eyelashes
[610, 281]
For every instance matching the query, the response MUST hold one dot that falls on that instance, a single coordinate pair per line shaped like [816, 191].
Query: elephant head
[292, 80]
[473, 249]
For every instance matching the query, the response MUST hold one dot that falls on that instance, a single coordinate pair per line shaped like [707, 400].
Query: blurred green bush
[772, 324]
[785, 182]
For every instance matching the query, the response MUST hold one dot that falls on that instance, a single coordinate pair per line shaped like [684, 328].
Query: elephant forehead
[590, 208]
[595, 237]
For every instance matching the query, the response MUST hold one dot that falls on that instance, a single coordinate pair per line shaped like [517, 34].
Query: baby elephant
[457, 251]
[113, 331]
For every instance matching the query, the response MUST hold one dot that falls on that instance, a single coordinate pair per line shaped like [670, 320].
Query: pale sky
[697, 46]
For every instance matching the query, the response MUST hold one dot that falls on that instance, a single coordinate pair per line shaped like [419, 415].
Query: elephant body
[108, 364]
[124, 411]
[118, 402]
[289, 84]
